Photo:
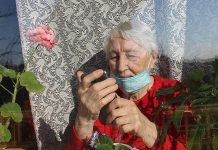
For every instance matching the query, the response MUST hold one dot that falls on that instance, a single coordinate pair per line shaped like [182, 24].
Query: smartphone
[102, 78]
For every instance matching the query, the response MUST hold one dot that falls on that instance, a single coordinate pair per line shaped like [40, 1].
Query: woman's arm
[149, 132]
[92, 97]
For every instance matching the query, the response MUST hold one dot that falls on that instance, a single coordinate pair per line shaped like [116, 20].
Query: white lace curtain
[185, 30]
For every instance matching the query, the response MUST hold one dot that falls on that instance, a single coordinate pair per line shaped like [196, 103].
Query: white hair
[133, 30]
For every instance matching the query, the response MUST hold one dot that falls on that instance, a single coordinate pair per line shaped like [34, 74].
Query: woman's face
[127, 58]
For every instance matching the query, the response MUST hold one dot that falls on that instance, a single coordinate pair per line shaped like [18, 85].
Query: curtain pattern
[80, 27]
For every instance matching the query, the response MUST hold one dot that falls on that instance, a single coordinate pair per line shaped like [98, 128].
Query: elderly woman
[131, 53]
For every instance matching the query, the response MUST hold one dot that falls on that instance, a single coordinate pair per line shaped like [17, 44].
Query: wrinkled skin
[94, 96]
[126, 58]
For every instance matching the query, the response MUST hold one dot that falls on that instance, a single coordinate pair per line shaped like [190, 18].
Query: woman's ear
[154, 56]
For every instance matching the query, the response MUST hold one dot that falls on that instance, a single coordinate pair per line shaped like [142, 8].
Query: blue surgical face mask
[133, 84]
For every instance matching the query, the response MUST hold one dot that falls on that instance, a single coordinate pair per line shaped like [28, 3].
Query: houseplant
[200, 99]
[103, 142]
[203, 93]
[11, 111]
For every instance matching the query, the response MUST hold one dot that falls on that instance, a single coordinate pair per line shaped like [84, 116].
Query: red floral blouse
[148, 105]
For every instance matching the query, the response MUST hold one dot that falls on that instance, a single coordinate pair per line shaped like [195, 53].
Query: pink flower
[43, 35]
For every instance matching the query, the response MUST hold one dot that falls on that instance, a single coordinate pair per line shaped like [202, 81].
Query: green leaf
[12, 110]
[178, 114]
[169, 90]
[29, 80]
[104, 139]
[205, 87]
[180, 98]
[200, 101]
[214, 92]
[196, 134]
[204, 93]
[7, 72]
[1, 78]
[165, 128]
[5, 134]
[104, 147]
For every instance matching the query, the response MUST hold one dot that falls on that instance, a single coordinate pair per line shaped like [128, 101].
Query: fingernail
[82, 76]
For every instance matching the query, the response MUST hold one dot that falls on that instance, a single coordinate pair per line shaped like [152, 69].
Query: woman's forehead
[118, 43]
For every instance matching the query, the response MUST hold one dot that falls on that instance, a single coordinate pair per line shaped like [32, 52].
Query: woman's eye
[113, 57]
[131, 56]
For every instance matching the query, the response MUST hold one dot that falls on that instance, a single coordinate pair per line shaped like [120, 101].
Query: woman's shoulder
[161, 82]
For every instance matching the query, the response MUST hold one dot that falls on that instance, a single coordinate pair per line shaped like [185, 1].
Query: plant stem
[6, 89]
[7, 122]
[15, 88]
[12, 81]
[31, 56]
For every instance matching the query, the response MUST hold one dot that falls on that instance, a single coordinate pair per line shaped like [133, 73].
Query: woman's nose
[122, 64]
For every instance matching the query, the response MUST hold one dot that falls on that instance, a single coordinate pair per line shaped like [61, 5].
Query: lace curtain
[186, 31]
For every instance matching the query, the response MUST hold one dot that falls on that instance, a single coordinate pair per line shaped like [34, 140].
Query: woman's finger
[119, 112]
[87, 80]
[117, 102]
[79, 75]
[128, 128]
[105, 91]
[107, 99]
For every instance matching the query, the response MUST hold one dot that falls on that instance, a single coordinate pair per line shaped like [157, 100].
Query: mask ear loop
[149, 62]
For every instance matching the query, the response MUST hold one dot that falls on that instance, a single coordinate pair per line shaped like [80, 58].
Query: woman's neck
[141, 92]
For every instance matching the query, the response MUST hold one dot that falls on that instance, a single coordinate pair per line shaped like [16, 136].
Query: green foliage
[104, 147]
[0, 78]
[165, 128]
[203, 92]
[12, 110]
[166, 91]
[177, 117]
[103, 139]
[199, 101]
[179, 99]
[196, 134]
[7, 72]
[103, 142]
[5, 134]
[28, 80]
[196, 75]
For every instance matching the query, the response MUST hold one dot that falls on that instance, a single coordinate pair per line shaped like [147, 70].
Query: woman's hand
[126, 116]
[92, 97]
